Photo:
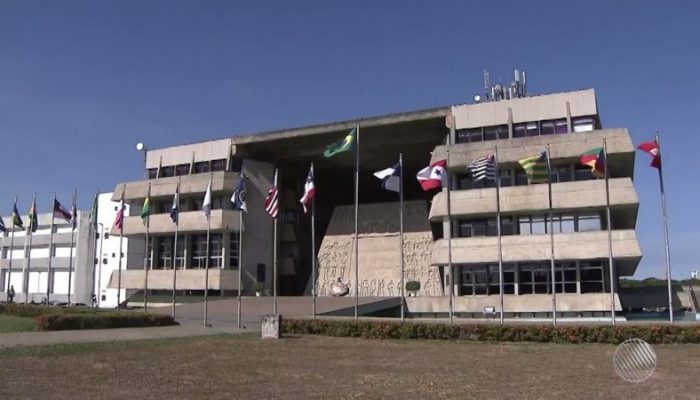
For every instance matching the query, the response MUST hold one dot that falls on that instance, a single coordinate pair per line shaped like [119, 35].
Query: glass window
[466, 282]
[491, 227]
[182, 169]
[547, 127]
[216, 251]
[218, 165]
[199, 251]
[469, 135]
[567, 224]
[506, 177]
[524, 225]
[589, 222]
[520, 177]
[201, 167]
[532, 129]
[583, 124]
[556, 223]
[519, 130]
[165, 253]
[564, 173]
[233, 250]
[560, 126]
[166, 172]
[496, 132]
[583, 173]
[464, 181]
[538, 225]
[508, 226]
[152, 173]
[180, 252]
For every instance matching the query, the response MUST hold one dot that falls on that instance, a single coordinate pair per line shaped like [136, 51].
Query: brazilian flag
[347, 144]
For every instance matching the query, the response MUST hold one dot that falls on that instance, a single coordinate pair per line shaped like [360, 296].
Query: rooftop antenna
[487, 86]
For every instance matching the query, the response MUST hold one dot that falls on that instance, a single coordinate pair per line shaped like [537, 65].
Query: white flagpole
[611, 261]
[403, 264]
[357, 242]
[551, 241]
[500, 234]
[313, 247]
[121, 238]
[70, 252]
[206, 262]
[666, 239]
[12, 248]
[451, 280]
[28, 254]
[93, 231]
[240, 263]
[147, 255]
[49, 269]
[274, 248]
[177, 228]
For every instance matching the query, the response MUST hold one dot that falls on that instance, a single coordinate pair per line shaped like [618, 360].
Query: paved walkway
[109, 335]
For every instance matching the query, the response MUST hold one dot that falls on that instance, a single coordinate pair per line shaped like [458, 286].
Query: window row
[188, 169]
[517, 177]
[531, 224]
[532, 278]
[525, 129]
[196, 257]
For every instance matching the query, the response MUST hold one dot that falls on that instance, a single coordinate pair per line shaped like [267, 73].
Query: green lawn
[9, 323]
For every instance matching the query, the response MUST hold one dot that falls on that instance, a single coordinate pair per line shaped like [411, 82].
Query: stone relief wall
[379, 256]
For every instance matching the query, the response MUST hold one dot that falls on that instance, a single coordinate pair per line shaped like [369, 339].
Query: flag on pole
[272, 199]
[483, 168]
[119, 220]
[174, 213]
[146, 209]
[309, 191]
[60, 212]
[74, 212]
[238, 198]
[433, 176]
[653, 149]
[596, 160]
[206, 204]
[33, 218]
[93, 211]
[536, 168]
[391, 178]
[16, 219]
[2, 225]
[346, 144]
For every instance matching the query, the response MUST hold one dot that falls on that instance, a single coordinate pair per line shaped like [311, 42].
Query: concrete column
[568, 116]
[510, 122]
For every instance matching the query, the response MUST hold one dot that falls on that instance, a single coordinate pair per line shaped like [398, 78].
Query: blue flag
[238, 198]
[391, 178]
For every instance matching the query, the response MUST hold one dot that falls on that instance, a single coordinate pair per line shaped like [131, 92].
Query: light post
[143, 149]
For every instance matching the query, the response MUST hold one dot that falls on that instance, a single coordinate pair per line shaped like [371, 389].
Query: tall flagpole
[551, 241]
[147, 253]
[451, 280]
[240, 262]
[666, 240]
[313, 248]
[28, 254]
[357, 242]
[206, 262]
[121, 238]
[72, 242]
[403, 267]
[95, 302]
[49, 269]
[500, 234]
[274, 249]
[611, 262]
[12, 248]
[177, 229]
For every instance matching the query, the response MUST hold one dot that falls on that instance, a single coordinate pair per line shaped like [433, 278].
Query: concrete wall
[204, 151]
[533, 108]
[188, 279]
[515, 303]
[379, 250]
[565, 196]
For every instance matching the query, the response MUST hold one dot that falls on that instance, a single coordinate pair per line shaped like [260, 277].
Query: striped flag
[119, 219]
[536, 168]
[391, 178]
[483, 168]
[272, 199]
[309, 190]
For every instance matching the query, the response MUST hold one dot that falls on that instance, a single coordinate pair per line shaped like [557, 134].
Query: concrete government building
[520, 125]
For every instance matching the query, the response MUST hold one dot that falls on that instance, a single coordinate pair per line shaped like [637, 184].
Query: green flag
[93, 211]
[341, 146]
[33, 218]
[535, 168]
[146, 210]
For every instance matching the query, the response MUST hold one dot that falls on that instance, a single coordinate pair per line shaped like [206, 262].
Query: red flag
[653, 149]
[433, 176]
[119, 220]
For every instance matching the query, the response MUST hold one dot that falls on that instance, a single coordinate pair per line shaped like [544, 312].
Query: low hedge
[495, 333]
[35, 310]
[101, 320]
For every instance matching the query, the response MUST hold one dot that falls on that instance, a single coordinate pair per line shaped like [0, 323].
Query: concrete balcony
[527, 303]
[565, 147]
[565, 196]
[523, 248]
[165, 187]
[39, 263]
[187, 279]
[190, 221]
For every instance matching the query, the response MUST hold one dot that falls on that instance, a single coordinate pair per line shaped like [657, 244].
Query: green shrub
[495, 333]
[35, 310]
[412, 286]
[102, 320]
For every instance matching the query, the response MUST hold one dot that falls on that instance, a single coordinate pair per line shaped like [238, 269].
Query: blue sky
[82, 81]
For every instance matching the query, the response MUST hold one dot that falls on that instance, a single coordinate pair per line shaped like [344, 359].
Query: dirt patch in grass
[10, 323]
[226, 367]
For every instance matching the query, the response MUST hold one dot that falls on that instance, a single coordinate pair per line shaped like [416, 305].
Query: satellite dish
[140, 146]
[477, 98]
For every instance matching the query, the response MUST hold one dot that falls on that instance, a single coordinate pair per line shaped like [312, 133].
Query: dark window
[561, 126]
[520, 177]
[152, 173]
[166, 172]
[506, 177]
[165, 253]
[182, 169]
[469, 135]
[532, 128]
[583, 173]
[233, 250]
[519, 130]
[199, 251]
[201, 167]
[218, 165]
[547, 127]
[508, 226]
[583, 124]
[564, 173]
[496, 132]
[261, 273]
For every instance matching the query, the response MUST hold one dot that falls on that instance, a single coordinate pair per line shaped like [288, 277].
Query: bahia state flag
[60, 212]
[536, 168]
[391, 178]
[433, 176]
[346, 144]
[653, 149]
[596, 160]
[238, 198]
[3, 228]
[309, 191]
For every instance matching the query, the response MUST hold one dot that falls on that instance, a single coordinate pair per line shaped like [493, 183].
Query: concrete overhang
[165, 187]
[566, 196]
[187, 279]
[189, 221]
[530, 303]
